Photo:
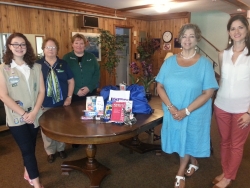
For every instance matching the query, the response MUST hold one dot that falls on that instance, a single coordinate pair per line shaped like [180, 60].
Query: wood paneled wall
[60, 26]
[157, 28]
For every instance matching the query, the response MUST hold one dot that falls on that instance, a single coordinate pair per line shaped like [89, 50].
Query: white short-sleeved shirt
[24, 68]
[233, 95]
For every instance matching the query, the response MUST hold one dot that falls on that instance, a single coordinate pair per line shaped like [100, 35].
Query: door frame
[130, 44]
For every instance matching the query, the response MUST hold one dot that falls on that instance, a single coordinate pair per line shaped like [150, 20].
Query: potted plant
[147, 48]
[135, 70]
[110, 44]
[145, 76]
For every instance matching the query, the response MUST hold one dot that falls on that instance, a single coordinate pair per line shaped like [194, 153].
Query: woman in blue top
[59, 86]
[186, 83]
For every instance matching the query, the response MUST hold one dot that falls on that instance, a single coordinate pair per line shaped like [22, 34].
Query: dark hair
[29, 56]
[79, 36]
[243, 20]
[50, 39]
[185, 27]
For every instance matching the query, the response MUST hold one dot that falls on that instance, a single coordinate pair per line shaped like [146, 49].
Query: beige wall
[213, 26]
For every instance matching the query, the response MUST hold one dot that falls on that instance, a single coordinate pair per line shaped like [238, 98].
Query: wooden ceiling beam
[238, 4]
[167, 16]
[69, 4]
[135, 7]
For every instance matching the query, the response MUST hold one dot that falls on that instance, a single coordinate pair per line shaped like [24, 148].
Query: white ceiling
[188, 6]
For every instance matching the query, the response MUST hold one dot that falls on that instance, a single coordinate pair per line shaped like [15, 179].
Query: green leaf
[110, 44]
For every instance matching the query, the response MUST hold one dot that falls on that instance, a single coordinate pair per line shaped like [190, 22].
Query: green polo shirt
[86, 73]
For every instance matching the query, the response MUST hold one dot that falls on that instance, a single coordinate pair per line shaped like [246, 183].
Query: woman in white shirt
[22, 92]
[232, 103]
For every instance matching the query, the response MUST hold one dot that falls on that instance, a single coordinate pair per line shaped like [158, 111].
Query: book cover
[117, 114]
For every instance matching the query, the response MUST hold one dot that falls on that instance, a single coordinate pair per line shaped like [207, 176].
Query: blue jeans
[25, 137]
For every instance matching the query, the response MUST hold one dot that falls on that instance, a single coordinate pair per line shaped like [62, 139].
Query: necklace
[189, 56]
[240, 50]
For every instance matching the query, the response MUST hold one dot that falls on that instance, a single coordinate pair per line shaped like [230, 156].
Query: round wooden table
[64, 124]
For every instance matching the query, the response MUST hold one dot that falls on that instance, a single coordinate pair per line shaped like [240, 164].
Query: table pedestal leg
[89, 166]
[135, 144]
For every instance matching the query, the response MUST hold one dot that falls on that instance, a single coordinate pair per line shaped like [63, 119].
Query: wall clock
[167, 36]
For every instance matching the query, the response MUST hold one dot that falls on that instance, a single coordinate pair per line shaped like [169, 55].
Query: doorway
[3, 39]
[122, 70]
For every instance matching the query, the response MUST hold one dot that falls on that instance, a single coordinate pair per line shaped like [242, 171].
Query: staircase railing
[215, 64]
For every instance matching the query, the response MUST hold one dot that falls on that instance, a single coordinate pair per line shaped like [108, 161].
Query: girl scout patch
[13, 79]
[59, 70]
[6, 68]
[21, 120]
[16, 121]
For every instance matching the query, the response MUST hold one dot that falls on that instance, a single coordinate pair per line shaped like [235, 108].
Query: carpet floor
[128, 170]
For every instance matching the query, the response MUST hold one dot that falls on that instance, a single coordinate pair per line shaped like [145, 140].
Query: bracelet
[187, 111]
[70, 96]
[24, 113]
[248, 113]
[170, 106]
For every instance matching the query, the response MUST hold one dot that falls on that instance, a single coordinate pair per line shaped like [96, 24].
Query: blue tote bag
[137, 95]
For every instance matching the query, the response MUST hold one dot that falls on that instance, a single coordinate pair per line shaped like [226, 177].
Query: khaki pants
[51, 146]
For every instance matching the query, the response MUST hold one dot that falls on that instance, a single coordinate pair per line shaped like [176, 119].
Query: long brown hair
[29, 56]
[243, 20]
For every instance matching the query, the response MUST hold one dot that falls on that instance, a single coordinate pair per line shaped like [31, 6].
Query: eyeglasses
[17, 45]
[50, 47]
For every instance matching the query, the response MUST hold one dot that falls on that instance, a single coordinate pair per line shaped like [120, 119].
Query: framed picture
[157, 42]
[176, 43]
[92, 45]
[166, 46]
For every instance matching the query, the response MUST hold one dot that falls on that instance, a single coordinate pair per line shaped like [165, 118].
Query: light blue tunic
[183, 85]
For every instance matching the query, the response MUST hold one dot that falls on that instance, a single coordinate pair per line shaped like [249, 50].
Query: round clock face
[167, 36]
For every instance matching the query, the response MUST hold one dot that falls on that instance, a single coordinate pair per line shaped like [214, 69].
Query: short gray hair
[185, 27]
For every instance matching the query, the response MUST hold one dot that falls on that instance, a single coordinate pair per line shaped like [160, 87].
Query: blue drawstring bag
[105, 92]
[140, 102]
[137, 95]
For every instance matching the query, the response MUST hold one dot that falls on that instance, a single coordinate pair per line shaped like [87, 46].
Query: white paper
[119, 95]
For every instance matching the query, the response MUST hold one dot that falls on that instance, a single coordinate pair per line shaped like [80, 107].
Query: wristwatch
[187, 112]
[70, 96]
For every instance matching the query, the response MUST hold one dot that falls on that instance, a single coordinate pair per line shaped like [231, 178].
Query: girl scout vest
[18, 90]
